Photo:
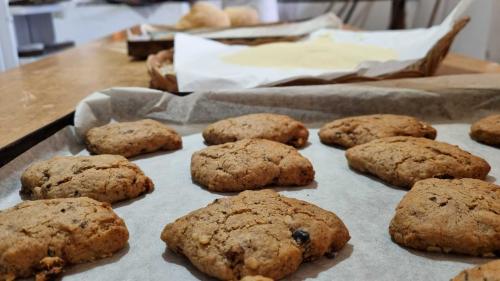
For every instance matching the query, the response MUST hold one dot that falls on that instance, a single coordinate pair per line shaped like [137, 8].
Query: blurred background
[30, 29]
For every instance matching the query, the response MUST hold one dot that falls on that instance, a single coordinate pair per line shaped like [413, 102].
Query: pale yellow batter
[319, 53]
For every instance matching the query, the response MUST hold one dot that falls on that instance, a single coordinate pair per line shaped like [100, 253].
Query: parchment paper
[363, 203]
[198, 64]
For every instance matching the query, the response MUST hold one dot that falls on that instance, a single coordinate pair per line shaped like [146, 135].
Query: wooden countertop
[34, 96]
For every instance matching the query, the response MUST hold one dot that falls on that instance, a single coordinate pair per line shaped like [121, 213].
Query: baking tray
[364, 203]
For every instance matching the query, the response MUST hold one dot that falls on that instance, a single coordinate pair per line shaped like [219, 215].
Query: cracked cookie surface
[487, 130]
[485, 272]
[255, 233]
[280, 128]
[351, 131]
[250, 164]
[107, 178]
[459, 216]
[40, 237]
[402, 161]
[132, 138]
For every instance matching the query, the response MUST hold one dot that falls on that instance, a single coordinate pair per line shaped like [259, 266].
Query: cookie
[132, 138]
[250, 164]
[459, 216]
[348, 132]
[255, 233]
[41, 237]
[486, 272]
[280, 128]
[255, 278]
[487, 130]
[402, 161]
[107, 178]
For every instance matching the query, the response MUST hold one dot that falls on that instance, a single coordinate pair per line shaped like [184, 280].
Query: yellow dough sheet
[318, 53]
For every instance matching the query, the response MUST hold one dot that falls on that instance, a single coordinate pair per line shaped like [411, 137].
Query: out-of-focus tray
[162, 75]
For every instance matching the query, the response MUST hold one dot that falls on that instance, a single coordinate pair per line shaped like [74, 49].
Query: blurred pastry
[242, 15]
[203, 14]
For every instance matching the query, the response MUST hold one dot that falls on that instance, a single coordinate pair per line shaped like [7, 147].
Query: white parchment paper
[365, 204]
[198, 64]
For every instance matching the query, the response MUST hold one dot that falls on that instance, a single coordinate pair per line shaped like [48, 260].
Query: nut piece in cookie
[459, 216]
[250, 164]
[107, 178]
[487, 130]
[485, 272]
[402, 161]
[40, 237]
[255, 233]
[132, 138]
[280, 128]
[351, 131]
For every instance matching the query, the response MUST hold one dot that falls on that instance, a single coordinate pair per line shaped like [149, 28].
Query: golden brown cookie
[107, 178]
[41, 237]
[204, 15]
[250, 164]
[132, 138]
[487, 130]
[242, 15]
[255, 233]
[280, 128]
[351, 131]
[459, 216]
[256, 278]
[489, 271]
[402, 161]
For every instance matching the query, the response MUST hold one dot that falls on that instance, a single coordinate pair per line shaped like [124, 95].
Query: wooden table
[38, 99]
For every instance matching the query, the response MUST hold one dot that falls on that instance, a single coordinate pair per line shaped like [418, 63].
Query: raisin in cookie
[255, 233]
[107, 178]
[487, 130]
[459, 216]
[348, 132]
[485, 272]
[250, 164]
[132, 138]
[41, 237]
[402, 161]
[280, 128]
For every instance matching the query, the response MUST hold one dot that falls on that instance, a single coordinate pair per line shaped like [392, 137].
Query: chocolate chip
[63, 210]
[300, 236]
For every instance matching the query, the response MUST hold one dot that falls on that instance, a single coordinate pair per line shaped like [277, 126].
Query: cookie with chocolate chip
[275, 127]
[132, 138]
[41, 237]
[255, 233]
[489, 271]
[402, 161]
[459, 216]
[487, 130]
[250, 164]
[351, 131]
[107, 178]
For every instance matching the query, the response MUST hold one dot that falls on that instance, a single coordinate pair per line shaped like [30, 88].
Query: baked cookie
[486, 272]
[402, 161]
[351, 131]
[132, 138]
[280, 128]
[255, 233]
[487, 130]
[255, 278]
[41, 237]
[250, 164]
[107, 178]
[459, 216]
